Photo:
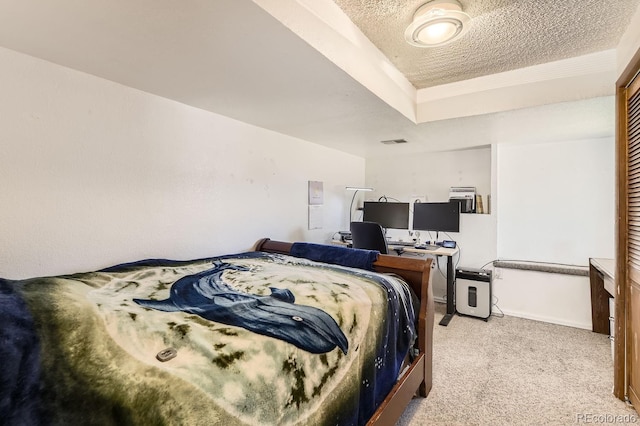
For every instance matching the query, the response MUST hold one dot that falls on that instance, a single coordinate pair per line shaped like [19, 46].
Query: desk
[451, 279]
[602, 279]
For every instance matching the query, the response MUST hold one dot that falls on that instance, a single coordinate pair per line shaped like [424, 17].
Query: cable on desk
[439, 269]
[399, 251]
[459, 250]
[489, 262]
[459, 257]
[386, 199]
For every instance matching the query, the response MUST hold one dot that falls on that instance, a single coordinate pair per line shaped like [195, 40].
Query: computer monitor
[387, 214]
[437, 217]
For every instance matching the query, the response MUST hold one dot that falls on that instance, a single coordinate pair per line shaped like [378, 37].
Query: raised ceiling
[504, 35]
[338, 73]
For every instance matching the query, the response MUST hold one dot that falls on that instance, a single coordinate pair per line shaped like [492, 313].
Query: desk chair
[369, 235]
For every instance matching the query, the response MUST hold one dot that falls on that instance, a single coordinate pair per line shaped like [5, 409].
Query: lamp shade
[357, 188]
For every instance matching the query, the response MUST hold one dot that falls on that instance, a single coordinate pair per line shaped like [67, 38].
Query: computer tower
[473, 292]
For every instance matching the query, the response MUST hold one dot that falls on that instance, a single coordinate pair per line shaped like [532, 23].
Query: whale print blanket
[244, 339]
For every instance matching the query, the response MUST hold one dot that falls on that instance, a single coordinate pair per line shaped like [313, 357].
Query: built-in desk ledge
[553, 268]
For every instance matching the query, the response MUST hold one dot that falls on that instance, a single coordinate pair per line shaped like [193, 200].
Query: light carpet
[514, 371]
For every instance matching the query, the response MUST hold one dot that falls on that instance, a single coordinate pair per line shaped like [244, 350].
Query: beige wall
[563, 186]
[93, 173]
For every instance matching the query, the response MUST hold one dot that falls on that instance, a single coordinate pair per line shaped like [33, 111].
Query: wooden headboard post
[270, 246]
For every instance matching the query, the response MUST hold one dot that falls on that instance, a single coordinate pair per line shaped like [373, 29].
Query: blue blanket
[336, 255]
[276, 315]
[81, 349]
[20, 366]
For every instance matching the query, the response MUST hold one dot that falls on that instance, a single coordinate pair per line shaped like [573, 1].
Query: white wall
[555, 204]
[541, 296]
[430, 175]
[556, 201]
[93, 173]
[550, 202]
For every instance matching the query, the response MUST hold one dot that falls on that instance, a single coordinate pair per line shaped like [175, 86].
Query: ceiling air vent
[394, 141]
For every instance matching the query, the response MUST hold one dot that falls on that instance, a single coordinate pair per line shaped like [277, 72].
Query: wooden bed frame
[417, 379]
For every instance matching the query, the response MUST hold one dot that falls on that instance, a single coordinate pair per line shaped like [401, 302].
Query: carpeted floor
[513, 371]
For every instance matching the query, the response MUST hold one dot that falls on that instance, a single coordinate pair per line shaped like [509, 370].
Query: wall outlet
[497, 273]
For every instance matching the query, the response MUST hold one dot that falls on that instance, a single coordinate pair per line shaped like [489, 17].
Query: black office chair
[369, 235]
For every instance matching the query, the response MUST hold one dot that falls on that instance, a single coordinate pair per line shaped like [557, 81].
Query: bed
[288, 333]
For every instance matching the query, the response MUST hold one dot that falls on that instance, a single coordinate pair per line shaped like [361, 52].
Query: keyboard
[401, 243]
[428, 247]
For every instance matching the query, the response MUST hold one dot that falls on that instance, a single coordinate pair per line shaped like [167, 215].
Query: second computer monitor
[388, 215]
[443, 217]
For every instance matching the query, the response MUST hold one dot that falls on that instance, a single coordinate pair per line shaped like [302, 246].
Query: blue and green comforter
[260, 339]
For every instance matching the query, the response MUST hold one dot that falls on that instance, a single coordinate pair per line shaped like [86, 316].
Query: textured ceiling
[505, 35]
[301, 68]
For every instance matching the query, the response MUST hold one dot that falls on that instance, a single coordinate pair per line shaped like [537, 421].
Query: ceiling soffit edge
[518, 97]
[591, 64]
[583, 77]
[325, 27]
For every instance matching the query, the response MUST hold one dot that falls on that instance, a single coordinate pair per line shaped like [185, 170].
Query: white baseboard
[541, 318]
[560, 299]
[529, 316]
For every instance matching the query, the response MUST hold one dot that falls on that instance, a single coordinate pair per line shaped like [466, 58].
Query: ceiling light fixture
[437, 23]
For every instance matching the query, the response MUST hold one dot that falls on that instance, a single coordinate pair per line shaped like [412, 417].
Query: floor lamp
[356, 189]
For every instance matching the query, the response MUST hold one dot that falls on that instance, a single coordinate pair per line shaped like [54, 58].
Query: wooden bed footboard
[417, 379]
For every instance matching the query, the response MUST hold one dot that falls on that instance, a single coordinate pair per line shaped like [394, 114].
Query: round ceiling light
[437, 23]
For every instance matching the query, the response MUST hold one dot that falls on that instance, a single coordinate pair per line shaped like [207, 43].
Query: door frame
[621, 350]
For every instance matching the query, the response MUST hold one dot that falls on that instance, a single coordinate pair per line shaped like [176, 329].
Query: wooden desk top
[606, 266]
[440, 251]
[608, 269]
